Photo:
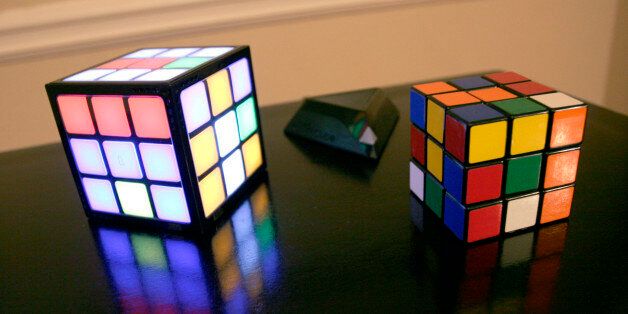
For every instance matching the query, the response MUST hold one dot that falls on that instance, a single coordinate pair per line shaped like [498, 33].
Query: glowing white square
[227, 133]
[100, 195]
[89, 75]
[134, 199]
[233, 172]
[161, 75]
[124, 75]
[122, 159]
[159, 161]
[240, 79]
[211, 52]
[146, 53]
[176, 52]
[170, 203]
[88, 156]
[195, 106]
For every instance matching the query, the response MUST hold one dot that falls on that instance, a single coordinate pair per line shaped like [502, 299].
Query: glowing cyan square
[252, 151]
[134, 199]
[233, 171]
[186, 63]
[227, 133]
[88, 156]
[247, 118]
[170, 203]
[100, 195]
[160, 162]
[122, 159]
[240, 79]
[111, 116]
[75, 114]
[88, 75]
[160, 75]
[176, 52]
[219, 91]
[149, 117]
[195, 106]
[146, 53]
[124, 75]
[212, 191]
[204, 152]
[211, 52]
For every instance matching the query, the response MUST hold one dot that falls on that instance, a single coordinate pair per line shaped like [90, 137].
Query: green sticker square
[247, 119]
[523, 173]
[186, 63]
[434, 195]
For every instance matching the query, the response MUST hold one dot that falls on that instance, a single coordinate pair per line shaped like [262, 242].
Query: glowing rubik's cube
[161, 136]
[494, 154]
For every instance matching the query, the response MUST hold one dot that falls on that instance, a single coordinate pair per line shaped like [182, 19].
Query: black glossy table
[325, 232]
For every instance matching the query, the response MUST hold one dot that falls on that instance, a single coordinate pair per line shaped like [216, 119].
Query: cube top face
[506, 77]
[150, 65]
[557, 100]
[434, 88]
[471, 82]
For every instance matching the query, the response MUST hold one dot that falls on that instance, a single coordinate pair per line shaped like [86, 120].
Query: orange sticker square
[492, 94]
[561, 168]
[568, 126]
[556, 204]
[434, 88]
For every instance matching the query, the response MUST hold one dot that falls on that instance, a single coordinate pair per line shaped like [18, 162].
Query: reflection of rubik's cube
[161, 135]
[494, 154]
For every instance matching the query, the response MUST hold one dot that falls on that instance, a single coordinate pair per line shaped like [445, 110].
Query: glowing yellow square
[528, 134]
[435, 120]
[212, 191]
[252, 151]
[435, 160]
[204, 152]
[219, 91]
[487, 141]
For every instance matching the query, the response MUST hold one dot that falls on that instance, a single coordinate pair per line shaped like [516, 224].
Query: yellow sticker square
[528, 134]
[212, 191]
[204, 152]
[219, 91]
[435, 159]
[252, 151]
[435, 120]
[487, 141]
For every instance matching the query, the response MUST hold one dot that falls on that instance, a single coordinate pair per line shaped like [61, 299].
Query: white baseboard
[76, 24]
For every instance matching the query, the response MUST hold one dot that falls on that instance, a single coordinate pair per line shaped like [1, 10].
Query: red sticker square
[455, 138]
[75, 114]
[484, 222]
[417, 141]
[529, 88]
[484, 183]
[111, 116]
[149, 116]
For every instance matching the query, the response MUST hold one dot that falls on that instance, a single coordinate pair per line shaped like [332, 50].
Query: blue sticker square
[417, 109]
[453, 173]
[454, 216]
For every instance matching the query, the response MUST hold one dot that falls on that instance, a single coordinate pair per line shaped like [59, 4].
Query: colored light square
[186, 63]
[561, 168]
[252, 151]
[521, 212]
[529, 88]
[523, 173]
[146, 53]
[170, 203]
[100, 195]
[134, 199]
[454, 216]
[506, 77]
[247, 118]
[417, 181]
[434, 195]
[487, 141]
[176, 52]
[417, 109]
[212, 191]
[471, 82]
[195, 105]
[88, 156]
[418, 145]
[453, 177]
[160, 162]
[492, 94]
[204, 151]
[455, 138]
[227, 133]
[484, 223]
[568, 127]
[528, 134]
[219, 91]
[75, 114]
[88, 75]
[122, 159]
[124, 75]
[160, 75]
[233, 171]
[240, 79]
[211, 52]
[435, 120]
[150, 63]
[557, 100]
[117, 64]
[149, 117]
[556, 204]
[434, 159]
[111, 116]
[484, 183]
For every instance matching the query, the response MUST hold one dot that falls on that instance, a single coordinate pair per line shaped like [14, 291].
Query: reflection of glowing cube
[161, 135]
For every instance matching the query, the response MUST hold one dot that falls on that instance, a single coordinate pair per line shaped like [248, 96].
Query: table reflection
[233, 270]
[517, 273]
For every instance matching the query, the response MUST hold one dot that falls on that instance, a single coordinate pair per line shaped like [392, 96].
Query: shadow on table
[231, 270]
[514, 274]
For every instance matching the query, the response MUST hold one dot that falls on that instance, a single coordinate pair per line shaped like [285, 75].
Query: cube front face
[506, 159]
[168, 150]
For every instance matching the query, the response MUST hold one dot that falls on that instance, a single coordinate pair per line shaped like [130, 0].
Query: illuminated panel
[124, 75]
[146, 53]
[75, 114]
[111, 116]
[88, 75]
[211, 52]
[149, 117]
[233, 171]
[176, 52]
[219, 91]
[212, 191]
[240, 79]
[122, 159]
[170, 203]
[151, 63]
[117, 64]
[252, 151]
[186, 63]
[88, 156]
[247, 118]
[195, 106]
[227, 133]
[100, 195]
[204, 153]
[160, 162]
[134, 199]
[160, 75]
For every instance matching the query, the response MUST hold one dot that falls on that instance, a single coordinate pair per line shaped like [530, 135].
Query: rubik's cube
[161, 136]
[494, 154]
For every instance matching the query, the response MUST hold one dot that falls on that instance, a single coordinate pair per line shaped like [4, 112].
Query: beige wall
[575, 46]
